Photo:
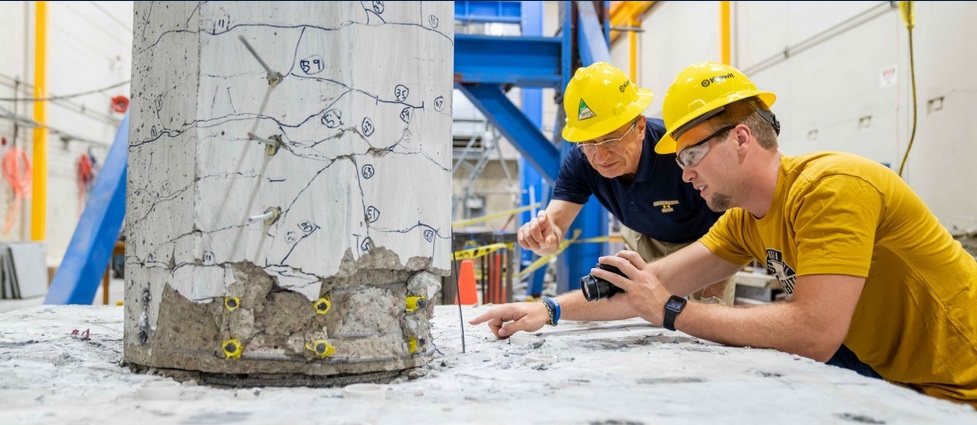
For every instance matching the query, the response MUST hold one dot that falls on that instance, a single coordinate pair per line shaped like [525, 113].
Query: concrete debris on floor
[61, 365]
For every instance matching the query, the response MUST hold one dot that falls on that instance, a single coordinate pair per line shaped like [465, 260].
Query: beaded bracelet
[553, 308]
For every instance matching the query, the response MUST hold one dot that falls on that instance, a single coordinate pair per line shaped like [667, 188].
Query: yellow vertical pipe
[724, 32]
[39, 187]
[633, 46]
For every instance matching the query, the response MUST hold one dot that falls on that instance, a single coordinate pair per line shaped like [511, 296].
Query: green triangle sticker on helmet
[584, 111]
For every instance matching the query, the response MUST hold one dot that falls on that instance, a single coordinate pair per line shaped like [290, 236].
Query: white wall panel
[831, 94]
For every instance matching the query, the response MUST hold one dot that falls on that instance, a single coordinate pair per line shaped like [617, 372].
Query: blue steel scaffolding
[486, 66]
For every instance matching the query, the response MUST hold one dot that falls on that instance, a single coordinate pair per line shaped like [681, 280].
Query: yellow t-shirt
[834, 213]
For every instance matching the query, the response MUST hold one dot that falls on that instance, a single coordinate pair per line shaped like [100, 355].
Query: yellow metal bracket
[321, 348]
[415, 302]
[232, 349]
[232, 303]
[322, 305]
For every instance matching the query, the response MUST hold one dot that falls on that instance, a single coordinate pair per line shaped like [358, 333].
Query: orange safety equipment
[600, 99]
[17, 172]
[698, 93]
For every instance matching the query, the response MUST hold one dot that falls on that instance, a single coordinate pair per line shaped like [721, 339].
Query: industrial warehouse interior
[488, 212]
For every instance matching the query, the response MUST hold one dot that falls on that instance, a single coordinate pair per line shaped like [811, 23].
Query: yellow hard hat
[600, 99]
[700, 90]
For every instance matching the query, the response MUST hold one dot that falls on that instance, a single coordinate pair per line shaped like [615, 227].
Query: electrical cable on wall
[906, 9]
[69, 96]
[20, 87]
[29, 124]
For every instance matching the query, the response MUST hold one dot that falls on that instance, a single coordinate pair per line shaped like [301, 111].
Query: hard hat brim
[577, 135]
[667, 144]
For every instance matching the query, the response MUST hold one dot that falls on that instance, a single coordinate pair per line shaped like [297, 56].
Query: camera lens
[595, 288]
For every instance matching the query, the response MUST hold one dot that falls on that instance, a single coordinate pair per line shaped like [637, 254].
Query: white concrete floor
[586, 373]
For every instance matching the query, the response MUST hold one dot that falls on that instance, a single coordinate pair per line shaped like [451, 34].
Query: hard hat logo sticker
[717, 79]
[584, 112]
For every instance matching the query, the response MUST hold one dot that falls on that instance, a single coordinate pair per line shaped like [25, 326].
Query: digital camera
[595, 288]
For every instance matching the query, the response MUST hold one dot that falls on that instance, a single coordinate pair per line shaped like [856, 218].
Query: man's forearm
[759, 327]
[575, 307]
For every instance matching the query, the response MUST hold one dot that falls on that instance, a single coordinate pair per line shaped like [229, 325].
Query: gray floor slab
[614, 372]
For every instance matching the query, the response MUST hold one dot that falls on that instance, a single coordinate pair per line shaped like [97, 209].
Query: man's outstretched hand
[508, 319]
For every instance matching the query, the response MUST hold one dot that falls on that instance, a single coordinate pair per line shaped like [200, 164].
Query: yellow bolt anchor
[232, 303]
[412, 345]
[321, 348]
[415, 302]
[232, 349]
[322, 305]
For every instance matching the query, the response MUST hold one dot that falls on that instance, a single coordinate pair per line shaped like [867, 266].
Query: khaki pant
[722, 292]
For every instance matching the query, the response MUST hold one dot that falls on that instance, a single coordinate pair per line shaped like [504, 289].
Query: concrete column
[288, 198]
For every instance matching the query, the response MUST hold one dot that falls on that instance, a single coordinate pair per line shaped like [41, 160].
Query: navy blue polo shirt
[657, 203]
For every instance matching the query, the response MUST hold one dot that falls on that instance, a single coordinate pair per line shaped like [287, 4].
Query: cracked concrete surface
[576, 373]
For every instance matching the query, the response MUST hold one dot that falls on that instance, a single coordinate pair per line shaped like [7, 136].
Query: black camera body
[595, 288]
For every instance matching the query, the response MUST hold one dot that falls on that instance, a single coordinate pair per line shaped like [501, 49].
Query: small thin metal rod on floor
[461, 319]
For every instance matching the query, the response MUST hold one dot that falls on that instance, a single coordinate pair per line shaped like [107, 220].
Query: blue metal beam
[515, 126]
[488, 11]
[533, 189]
[91, 246]
[577, 259]
[521, 61]
[591, 37]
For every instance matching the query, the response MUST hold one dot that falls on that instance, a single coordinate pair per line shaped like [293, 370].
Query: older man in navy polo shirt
[617, 163]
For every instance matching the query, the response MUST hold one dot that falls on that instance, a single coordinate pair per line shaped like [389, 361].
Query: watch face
[674, 304]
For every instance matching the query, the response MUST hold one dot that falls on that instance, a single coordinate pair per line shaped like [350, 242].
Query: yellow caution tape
[602, 239]
[468, 254]
[481, 251]
[544, 260]
[484, 218]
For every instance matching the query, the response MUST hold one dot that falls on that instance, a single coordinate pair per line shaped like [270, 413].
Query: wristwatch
[673, 307]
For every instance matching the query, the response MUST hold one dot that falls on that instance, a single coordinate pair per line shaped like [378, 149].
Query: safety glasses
[691, 155]
[590, 148]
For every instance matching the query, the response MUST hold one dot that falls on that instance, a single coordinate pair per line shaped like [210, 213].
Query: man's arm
[814, 324]
[508, 319]
[692, 268]
[544, 233]
[701, 265]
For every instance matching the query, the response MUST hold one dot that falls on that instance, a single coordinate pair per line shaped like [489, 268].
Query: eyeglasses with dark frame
[691, 155]
[589, 148]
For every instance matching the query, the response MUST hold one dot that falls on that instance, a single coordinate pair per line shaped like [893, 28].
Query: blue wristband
[553, 308]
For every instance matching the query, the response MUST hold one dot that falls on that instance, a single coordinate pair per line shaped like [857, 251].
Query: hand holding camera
[595, 288]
